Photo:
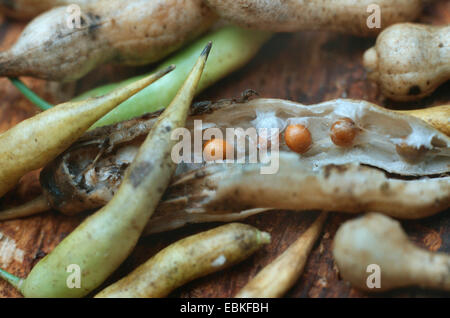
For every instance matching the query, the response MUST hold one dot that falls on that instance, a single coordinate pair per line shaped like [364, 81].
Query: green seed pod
[233, 48]
[105, 239]
[190, 258]
[38, 140]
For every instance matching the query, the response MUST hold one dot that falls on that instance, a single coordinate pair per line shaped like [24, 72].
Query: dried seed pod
[351, 188]
[127, 32]
[190, 258]
[409, 61]
[233, 48]
[347, 16]
[87, 175]
[377, 240]
[437, 116]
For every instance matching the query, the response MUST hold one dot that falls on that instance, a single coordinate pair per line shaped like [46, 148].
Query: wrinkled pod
[356, 17]
[378, 240]
[409, 61]
[114, 31]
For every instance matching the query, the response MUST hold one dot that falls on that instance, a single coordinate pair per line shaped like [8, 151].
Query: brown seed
[411, 154]
[343, 132]
[298, 138]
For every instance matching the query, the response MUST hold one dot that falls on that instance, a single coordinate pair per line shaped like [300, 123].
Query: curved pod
[126, 32]
[378, 239]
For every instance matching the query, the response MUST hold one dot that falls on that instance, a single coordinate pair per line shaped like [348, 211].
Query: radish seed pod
[89, 173]
[190, 258]
[347, 16]
[36, 141]
[281, 274]
[28, 9]
[377, 239]
[409, 60]
[105, 239]
[134, 32]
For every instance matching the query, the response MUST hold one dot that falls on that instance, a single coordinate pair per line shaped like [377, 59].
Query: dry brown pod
[377, 243]
[347, 16]
[110, 31]
[237, 191]
[230, 192]
[87, 175]
[409, 61]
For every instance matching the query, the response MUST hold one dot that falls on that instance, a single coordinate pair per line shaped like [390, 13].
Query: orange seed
[298, 138]
[216, 149]
[343, 132]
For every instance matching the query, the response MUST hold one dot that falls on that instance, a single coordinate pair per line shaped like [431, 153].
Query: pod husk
[86, 176]
[134, 32]
[36, 141]
[346, 16]
[105, 239]
[376, 239]
[187, 259]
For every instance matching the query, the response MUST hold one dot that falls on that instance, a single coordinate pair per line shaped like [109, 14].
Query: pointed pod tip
[207, 49]
[166, 70]
[264, 237]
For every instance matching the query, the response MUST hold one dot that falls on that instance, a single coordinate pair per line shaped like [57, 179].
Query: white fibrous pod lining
[394, 142]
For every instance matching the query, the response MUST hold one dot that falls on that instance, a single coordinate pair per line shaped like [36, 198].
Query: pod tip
[207, 49]
[166, 70]
[370, 60]
[264, 237]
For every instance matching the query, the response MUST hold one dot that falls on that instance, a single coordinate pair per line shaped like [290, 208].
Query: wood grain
[308, 67]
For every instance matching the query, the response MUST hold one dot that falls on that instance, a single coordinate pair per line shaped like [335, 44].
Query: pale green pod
[105, 239]
[190, 258]
[38, 140]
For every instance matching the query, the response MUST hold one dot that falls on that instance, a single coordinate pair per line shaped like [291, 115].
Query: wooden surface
[306, 67]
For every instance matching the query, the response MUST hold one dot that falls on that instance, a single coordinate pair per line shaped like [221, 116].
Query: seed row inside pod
[338, 131]
[343, 132]
[88, 174]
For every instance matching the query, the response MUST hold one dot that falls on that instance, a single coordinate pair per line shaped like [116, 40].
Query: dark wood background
[308, 67]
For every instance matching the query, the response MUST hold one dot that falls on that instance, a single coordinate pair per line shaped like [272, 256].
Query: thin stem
[10, 278]
[35, 206]
[30, 95]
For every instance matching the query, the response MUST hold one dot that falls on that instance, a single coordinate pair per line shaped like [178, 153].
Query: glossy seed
[298, 138]
[343, 132]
